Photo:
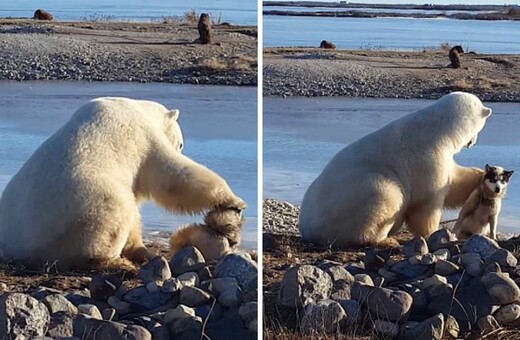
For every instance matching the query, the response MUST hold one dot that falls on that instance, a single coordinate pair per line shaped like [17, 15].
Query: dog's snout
[497, 190]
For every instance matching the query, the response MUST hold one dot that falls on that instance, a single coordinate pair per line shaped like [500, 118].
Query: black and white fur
[479, 215]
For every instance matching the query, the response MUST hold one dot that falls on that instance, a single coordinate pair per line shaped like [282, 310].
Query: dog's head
[496, 178]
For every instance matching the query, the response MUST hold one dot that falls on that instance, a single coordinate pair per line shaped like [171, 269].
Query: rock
[185, 328]
[433, 281]
[302, 285]
[42, 292]
[507, 314]
[108, 314]
[373, 261]
[451, 328]
[441, 239]
[230, 297]
[442, 254]
[340, 291]
[236, 266]
[249, 314]
[388, 275]
[187, 259]
[428, 259]
[432, 328]
[60, 325]
[91, 310]
[416, 246]
[40, 14]
[103, 286]
[420, 299]
[92, 329]
[213, 311]
[179, 312]
[501, 288]
[157, 269]
[492, 268]
[379, 281]
[323, 316]
[487, 324]
[364, 278]
[503, 257]
[339, 273]
[193, 296]
[383, 303]
[407, 271]
[22, 316]
[389, 329]
[353, 312]
[480, 244]
[141, 299]
[446, 268]
[171, 285]
[189, 279]
[58, 303]
[152, 287]
[121, 307]
[472, 263]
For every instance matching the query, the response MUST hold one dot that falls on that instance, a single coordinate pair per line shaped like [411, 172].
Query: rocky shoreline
[126, 51]
[439, 288]
[182, 297]
[314, 72]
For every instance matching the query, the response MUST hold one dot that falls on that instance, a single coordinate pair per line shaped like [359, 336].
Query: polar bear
[75, 202]
[401, 173]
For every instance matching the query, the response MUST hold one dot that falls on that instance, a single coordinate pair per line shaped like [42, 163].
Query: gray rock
[440, 239]
[302, 285]
[433, 281]
[122, 307]
[236, 266]
[420, 299]
[379, 281]
[503, 257]
[493, 267]
[373, 261]
[339, 273]
[109, 314]
[472, 263]
[406, 271]
[249, 314]
[58, 303]
[340, 291]
[487, 324]
[141, 299]
[157, 269]
[416, 246]
[364, 278]
[91, 310]
[428, 259]
[353, 312]
[193, 296]
[185, 328]
[323, 316]
[446, 268]
[22, 316]
[501, 288]
[230, 297]
[189, 279]
[388, 275]
[60, 325]
[442, 254]
[171, 285]
[432, 328]
[88, 328]
[383, 303]
[451, 328]
[104, 286]
[179, 312]
[188, 259]
[508, 314]
[480, 244]
[387, 328]
[40, 292]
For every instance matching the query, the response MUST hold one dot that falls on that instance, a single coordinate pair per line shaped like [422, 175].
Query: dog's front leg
[493, 222]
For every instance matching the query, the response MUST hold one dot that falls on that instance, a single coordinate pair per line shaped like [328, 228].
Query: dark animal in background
[455, 56]
[40, 14]
[327, 44]
[204, 29]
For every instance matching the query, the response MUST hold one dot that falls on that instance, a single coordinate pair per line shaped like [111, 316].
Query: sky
[437, 2]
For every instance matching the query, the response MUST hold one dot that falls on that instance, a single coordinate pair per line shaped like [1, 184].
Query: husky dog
[479, 215]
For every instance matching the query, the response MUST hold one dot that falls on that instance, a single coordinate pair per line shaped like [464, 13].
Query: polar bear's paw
[118, 264]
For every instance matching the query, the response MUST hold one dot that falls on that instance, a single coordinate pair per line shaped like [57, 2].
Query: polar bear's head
[173, 130]
[462, 116]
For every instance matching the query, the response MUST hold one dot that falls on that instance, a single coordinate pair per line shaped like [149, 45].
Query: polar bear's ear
[486, 112]
[174, 114]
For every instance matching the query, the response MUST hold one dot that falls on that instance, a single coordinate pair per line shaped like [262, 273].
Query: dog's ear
[488, 168]
[508, 174]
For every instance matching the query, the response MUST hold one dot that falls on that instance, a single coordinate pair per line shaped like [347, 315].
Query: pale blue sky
[438, 2]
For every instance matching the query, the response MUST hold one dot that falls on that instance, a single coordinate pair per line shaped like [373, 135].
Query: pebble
[302, 285]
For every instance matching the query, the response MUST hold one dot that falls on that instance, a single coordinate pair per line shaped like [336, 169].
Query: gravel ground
[126, 52]
[388, 74]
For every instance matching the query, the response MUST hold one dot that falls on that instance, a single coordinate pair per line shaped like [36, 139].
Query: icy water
[219, 125]
[234, 11]
[392, 33]
[301, 135]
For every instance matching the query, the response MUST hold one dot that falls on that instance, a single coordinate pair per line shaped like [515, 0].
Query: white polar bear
[76, 200]
[401, 173]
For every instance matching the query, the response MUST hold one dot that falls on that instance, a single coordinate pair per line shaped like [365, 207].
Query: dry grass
[461, 84]
[480, 83]
[213, 64]
[190, 17]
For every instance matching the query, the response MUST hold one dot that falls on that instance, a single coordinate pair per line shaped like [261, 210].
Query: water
[219, 125]
[392, 33]
[234, 11]
[369, 10]
[301, 135]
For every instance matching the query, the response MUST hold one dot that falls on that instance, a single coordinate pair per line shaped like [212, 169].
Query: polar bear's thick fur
[76, 200]
[401, 173]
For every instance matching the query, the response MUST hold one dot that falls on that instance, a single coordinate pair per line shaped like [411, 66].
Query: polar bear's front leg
[463, 181]
[182, 185]
[423, 220]
[134, 249]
